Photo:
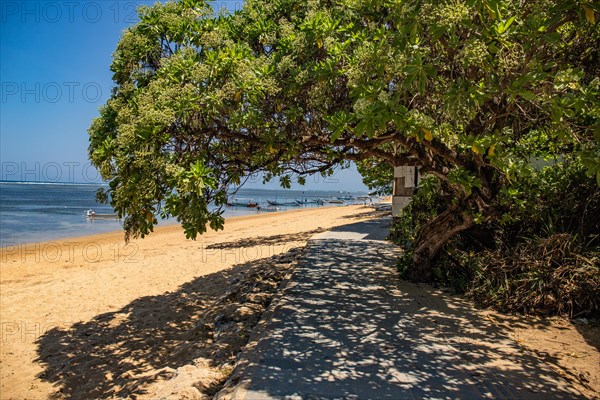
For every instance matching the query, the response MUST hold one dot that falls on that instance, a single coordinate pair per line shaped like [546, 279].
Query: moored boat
[242, 203]
[280, 203]
[91, 214]
[307, 201]
[267, 209]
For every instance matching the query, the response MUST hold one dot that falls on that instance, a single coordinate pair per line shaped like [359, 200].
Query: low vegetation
[542, 255]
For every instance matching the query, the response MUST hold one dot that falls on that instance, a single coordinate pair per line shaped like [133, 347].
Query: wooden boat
[91, 214]
[279, 203]
[242, 203]
[267, 209]
[307, 201]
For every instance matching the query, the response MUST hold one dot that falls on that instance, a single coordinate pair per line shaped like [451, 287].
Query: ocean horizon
[33, 211]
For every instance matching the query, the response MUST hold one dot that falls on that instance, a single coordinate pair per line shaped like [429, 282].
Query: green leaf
[527, 95]
[509, 22]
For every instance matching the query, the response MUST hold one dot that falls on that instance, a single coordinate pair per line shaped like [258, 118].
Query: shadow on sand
[265, 240]
[120, 353]
[369, 213]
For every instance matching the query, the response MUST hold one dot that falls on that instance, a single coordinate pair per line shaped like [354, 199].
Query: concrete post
[405, 181]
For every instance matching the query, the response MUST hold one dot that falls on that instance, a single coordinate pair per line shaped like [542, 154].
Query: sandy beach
[55, 286]
[91, 317]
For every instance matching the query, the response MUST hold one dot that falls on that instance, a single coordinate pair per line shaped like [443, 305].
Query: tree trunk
[432, 237]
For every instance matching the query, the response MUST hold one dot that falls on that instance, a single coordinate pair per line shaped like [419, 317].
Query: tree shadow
[590, 332]
[371, 213]
[554, 341]
[373, 229]
[265, 240]
[118, 354]
[347, 327]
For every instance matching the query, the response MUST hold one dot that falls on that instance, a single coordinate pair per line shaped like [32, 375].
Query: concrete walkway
[346, 327]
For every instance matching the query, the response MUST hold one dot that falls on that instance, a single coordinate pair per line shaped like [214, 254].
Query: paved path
[346, 327]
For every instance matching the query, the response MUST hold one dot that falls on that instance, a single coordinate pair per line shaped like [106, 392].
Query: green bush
[542, 257]
[557, 199]
[552, 275]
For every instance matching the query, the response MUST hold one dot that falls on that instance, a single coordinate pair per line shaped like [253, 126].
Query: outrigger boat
[267, 209]
[91, 214]
[279, 203]
[307, 201]
[242, 203]
[331, 201]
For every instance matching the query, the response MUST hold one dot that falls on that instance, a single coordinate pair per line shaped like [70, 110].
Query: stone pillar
[404, 186]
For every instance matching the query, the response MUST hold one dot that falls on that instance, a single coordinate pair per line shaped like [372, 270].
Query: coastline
[30, 213]
[163, 227]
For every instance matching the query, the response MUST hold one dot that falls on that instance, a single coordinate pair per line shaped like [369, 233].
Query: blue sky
[54, 75]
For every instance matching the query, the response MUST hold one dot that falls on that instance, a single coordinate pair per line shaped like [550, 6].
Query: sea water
[34, 212]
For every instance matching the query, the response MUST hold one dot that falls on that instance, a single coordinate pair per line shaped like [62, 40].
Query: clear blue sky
[54, 75]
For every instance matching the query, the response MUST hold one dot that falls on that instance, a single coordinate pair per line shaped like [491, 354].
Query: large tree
[469, 91]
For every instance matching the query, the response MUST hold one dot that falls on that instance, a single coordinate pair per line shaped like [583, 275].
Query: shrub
[551, 275]
[542, 257]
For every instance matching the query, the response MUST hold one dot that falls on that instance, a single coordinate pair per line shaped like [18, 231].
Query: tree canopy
[470, 91]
